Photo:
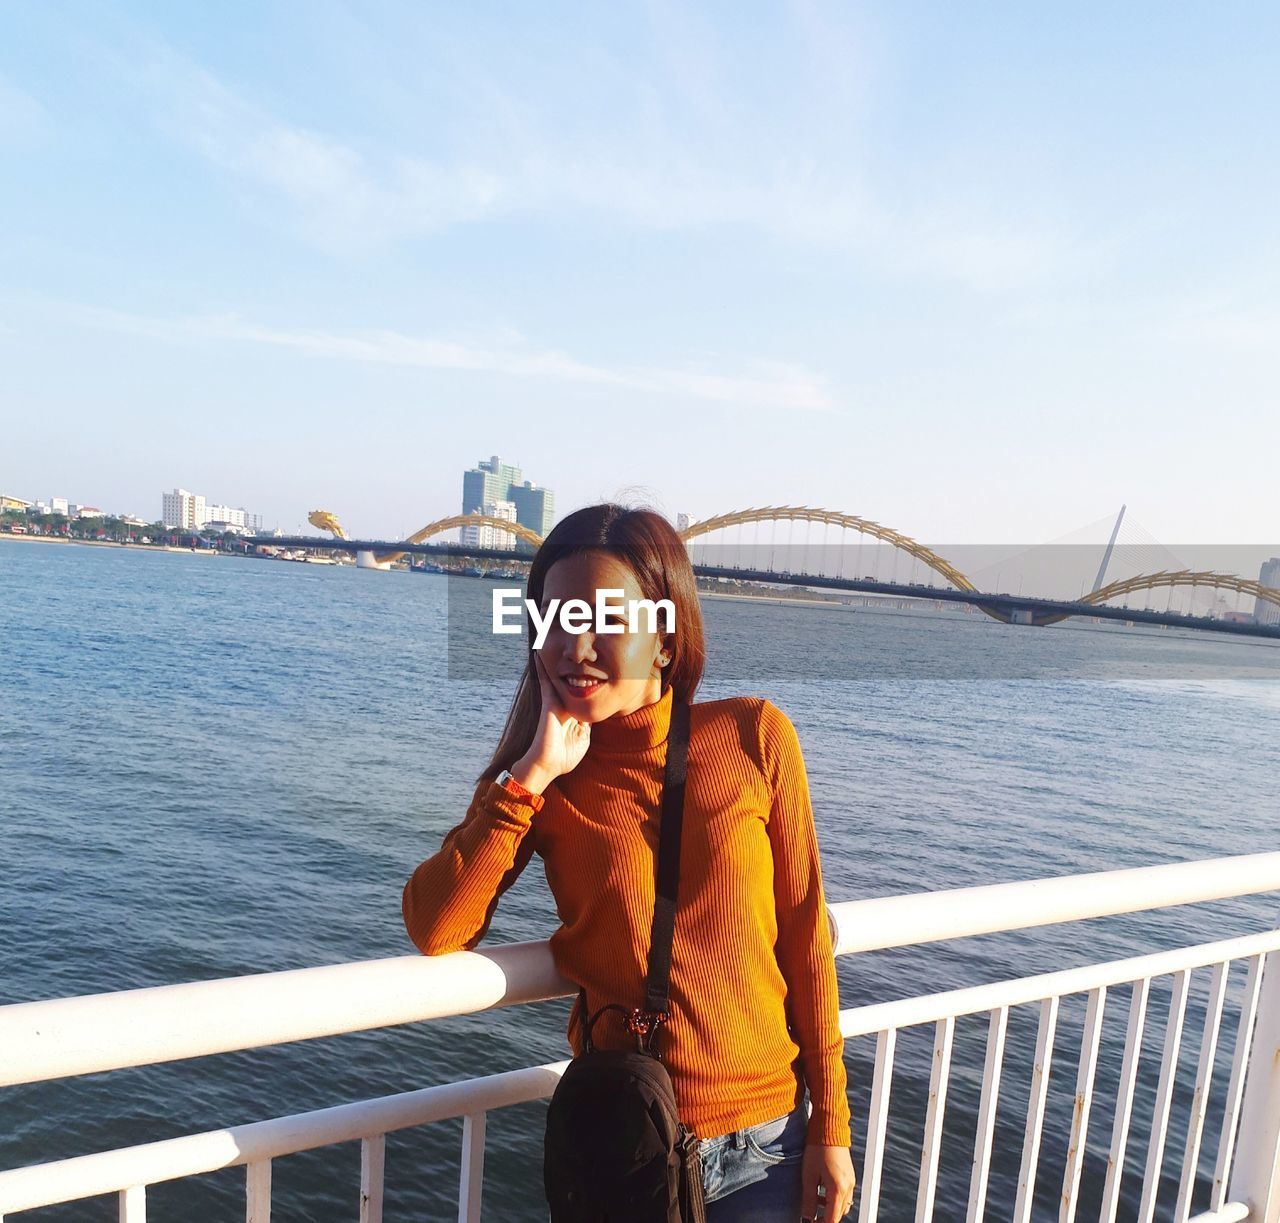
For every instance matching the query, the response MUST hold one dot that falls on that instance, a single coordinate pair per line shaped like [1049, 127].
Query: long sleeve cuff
[829, 1126]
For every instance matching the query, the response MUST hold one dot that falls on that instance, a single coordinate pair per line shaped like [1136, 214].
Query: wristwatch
[516, 790]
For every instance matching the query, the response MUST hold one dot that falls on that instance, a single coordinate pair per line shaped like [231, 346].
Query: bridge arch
[463, 520]
[1183, 577]
[325, 521]
[1171, 578]
[805, 513]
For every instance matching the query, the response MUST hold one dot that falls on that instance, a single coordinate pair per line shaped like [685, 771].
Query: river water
[219, 766]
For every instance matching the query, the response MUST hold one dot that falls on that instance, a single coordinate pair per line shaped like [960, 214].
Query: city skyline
[1079, 534]
[1132, 561]
[979, 276]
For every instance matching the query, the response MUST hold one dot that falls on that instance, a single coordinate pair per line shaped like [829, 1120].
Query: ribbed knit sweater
[753, 985]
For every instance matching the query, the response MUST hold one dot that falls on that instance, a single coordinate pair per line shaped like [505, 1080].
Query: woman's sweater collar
[638, 731]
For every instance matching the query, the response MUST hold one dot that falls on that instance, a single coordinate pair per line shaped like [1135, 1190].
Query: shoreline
[717, 594]
[108, 543]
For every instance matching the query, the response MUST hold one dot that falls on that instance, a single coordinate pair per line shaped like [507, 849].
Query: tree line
[110, 528]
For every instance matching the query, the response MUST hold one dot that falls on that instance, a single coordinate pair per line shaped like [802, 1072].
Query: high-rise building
[488, 480]
[535, 507]
[492, 481]
[182, 510]
[1264, 611]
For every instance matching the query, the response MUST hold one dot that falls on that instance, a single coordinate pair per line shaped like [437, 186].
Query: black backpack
[615, 1150]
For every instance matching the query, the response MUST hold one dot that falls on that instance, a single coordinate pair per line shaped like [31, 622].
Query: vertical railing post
[257, 1192]
[877, 1123]
[472, 1173]
[1255, 1179]
[133, 1204]
[373, 1164]
[1024, 1205]
[997, 1029]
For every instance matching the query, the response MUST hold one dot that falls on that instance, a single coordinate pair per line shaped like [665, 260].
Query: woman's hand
[559, 742]
[832, 1168]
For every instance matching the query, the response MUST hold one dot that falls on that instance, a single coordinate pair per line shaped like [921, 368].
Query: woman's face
[625, 664]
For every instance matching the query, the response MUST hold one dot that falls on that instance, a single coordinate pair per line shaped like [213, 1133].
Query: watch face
[516, 790]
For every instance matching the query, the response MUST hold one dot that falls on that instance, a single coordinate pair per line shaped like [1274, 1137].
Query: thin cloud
[647, 164]
[342, 199]
[761, 384]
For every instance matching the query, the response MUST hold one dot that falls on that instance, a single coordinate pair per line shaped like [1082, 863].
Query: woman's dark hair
[648, 545]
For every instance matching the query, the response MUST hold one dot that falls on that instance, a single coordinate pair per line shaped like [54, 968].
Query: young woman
[753, 1045]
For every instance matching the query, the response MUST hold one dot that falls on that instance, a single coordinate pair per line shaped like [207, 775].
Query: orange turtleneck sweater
[753, 984]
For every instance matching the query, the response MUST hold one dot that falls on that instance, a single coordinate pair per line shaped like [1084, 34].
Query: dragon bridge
[865, 526]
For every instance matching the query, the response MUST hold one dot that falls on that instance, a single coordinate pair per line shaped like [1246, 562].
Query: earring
[663, 659]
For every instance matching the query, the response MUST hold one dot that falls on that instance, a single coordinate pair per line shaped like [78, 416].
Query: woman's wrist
[533, 776]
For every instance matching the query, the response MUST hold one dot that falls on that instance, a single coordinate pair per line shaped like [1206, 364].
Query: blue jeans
[752, 1175]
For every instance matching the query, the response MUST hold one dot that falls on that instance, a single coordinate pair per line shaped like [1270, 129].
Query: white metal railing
[63, 1037]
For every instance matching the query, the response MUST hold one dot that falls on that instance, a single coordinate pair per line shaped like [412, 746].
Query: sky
[978, 272]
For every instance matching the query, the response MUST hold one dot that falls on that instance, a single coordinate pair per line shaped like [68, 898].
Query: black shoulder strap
[657, 986]
[668, 880]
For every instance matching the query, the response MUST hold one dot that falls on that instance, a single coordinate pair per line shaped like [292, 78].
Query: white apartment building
[225, 518]
[1264, 611]
[485, 536]
[182, 510]
[190, 512]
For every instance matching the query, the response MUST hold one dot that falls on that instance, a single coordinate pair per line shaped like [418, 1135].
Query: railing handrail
[912, 918]
[105, 1172]
[82, 1176]
[62, 1037]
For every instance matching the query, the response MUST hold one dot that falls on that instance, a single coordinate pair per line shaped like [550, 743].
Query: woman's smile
[582, 686]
